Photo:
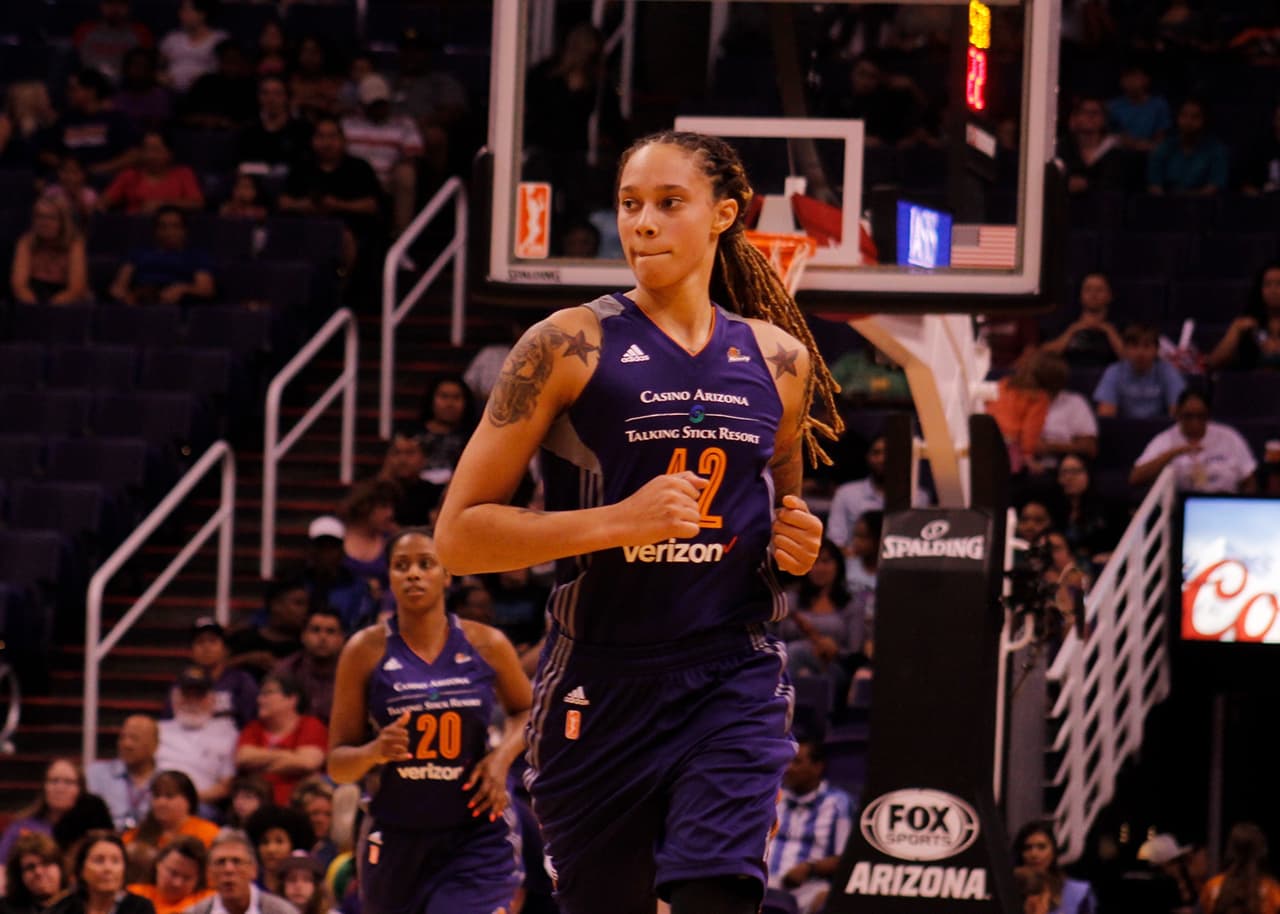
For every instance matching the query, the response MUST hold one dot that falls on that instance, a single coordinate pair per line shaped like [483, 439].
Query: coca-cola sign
[1229, 578]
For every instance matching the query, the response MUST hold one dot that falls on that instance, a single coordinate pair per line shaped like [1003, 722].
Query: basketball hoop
[788, 252]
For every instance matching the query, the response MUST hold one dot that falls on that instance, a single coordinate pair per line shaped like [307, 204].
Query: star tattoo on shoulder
[784, 361]
[578, 345]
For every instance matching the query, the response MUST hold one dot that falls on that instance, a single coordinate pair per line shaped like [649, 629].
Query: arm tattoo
[784, 361]
[527, 370]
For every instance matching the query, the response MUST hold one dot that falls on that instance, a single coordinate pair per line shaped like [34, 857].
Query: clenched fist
[797, 536]
[663, 508]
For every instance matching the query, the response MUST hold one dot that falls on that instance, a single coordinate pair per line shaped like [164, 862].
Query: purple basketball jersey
[652, 408]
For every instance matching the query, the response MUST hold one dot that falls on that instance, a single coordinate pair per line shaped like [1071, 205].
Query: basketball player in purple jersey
[671, 432]
[442, 837]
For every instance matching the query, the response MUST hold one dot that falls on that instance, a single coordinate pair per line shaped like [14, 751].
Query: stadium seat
[46, 412]
[21, 365]
[335, 21]
[237, 328]
[1172, 212]
[154, 326]
[223, 239]
[202, 371]
[284, 283]
[1082, 253]
[1084, 380]
[18, 190]
[97, 366]
[813, 705]
[778, 901]
[20, 455]
[1236, 256]
[119, 463]
[204, 150]
[32, 558]
[160, 418]
[1140, 254]
[1122, 440]
[1251, 214]
[1138, 299]
[64, 324]
[315, 240]
[74, 508]
[117, 234]
[1208, 299]
[1247, 395]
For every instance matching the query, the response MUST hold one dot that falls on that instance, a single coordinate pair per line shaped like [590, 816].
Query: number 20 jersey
[652, 408]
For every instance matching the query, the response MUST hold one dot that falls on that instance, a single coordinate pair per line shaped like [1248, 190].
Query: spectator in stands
[102, 43]
[226, 98]
[196, 741]
[519, 604]
[327, 579]
[98, 869]
[1141, 385]
[390, 144]
[102, 138]
[1245, 884]
[1033, 890]
[141, 97]
[313, 81]
[235, 692]
[1262, 160]
[34, 875]
[155, 182]
[1010, 338]
[1034, 518]
[1191, 161]
[891, 105]
[64, 809]
[435, 98]
[302, 883]
[1170, 886]
[270, 49]
[269, 146]
[854, 499]
[814, 821]
[276, 832]
[1253, 339]
[124, 782]
[471, 601]
[27, 113]
[448, 418]
[561, 95]
[50, 266]
[1091, 524]
[233, 868]
[823, 621]
[167, 273]
[314, 799]
[179, 879]
[314, 666]
[1091, 154]
[1069, 424]
[369, 515]
[190, 52]
[1036, 847]
[1140, 118]
[285, 744]
[73, 190]
[403, 465]
[1020, 406]
[1206, 456]
[485, 366]
[360, 66]
[863, 563]
[246, 201]
[334, 183]
[173, 814]
[249, 793]
[276, 633]
[1091, 339]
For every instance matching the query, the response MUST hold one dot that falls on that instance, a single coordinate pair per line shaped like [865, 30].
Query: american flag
[988, 247]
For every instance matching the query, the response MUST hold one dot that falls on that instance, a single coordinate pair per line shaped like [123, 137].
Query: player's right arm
[478, 531]
[350, 755]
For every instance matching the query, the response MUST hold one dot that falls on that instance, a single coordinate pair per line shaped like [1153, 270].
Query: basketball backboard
[911, 140]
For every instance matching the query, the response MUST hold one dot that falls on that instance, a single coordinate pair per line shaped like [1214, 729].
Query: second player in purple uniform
[671, 431]
[442, 837]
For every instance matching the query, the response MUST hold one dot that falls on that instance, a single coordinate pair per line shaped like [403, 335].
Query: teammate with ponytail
[671, 430]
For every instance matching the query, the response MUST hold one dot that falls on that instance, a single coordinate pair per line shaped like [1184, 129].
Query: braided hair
[744, 279]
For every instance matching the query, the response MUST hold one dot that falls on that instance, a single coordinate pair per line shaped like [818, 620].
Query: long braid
[750, 284]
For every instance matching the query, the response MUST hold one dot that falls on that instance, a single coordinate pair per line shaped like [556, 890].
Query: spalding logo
[935, 529]
[920, 824]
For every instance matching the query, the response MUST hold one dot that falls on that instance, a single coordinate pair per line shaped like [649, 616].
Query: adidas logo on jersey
[634, 354]
[577, 697]
[392, 665]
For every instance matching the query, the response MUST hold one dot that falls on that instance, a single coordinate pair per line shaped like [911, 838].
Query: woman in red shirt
[285, 744]
[155, 182]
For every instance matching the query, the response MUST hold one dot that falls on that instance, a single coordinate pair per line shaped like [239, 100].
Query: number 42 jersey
[651, 408]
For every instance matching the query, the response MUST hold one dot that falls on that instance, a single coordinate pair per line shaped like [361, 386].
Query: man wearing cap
[330, 582]
[235, 691]
[124, 782]
[390, 144]
[197, 742]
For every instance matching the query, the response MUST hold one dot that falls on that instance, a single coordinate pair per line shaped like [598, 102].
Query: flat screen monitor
[1230, 570]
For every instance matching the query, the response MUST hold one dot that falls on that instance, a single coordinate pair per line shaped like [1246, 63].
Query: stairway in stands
[136, 674]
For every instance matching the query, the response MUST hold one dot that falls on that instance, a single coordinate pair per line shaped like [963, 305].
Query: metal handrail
[14, 715]
[393, 313]
[1096, 678]
[274, 448]
[96, 647]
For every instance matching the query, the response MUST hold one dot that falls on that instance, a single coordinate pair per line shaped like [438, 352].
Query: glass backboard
[909, 139]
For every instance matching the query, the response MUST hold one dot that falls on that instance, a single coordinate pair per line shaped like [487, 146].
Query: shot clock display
[975, 84]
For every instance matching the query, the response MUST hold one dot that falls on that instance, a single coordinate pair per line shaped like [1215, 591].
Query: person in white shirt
[232, 871]
[1206, 456]
[196, 742]
[854, 499]
[391, 144]
[189, 52]
[1069, 426]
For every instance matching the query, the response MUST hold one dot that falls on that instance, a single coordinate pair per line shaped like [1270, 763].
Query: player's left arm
[515, 693]
[797, 533]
